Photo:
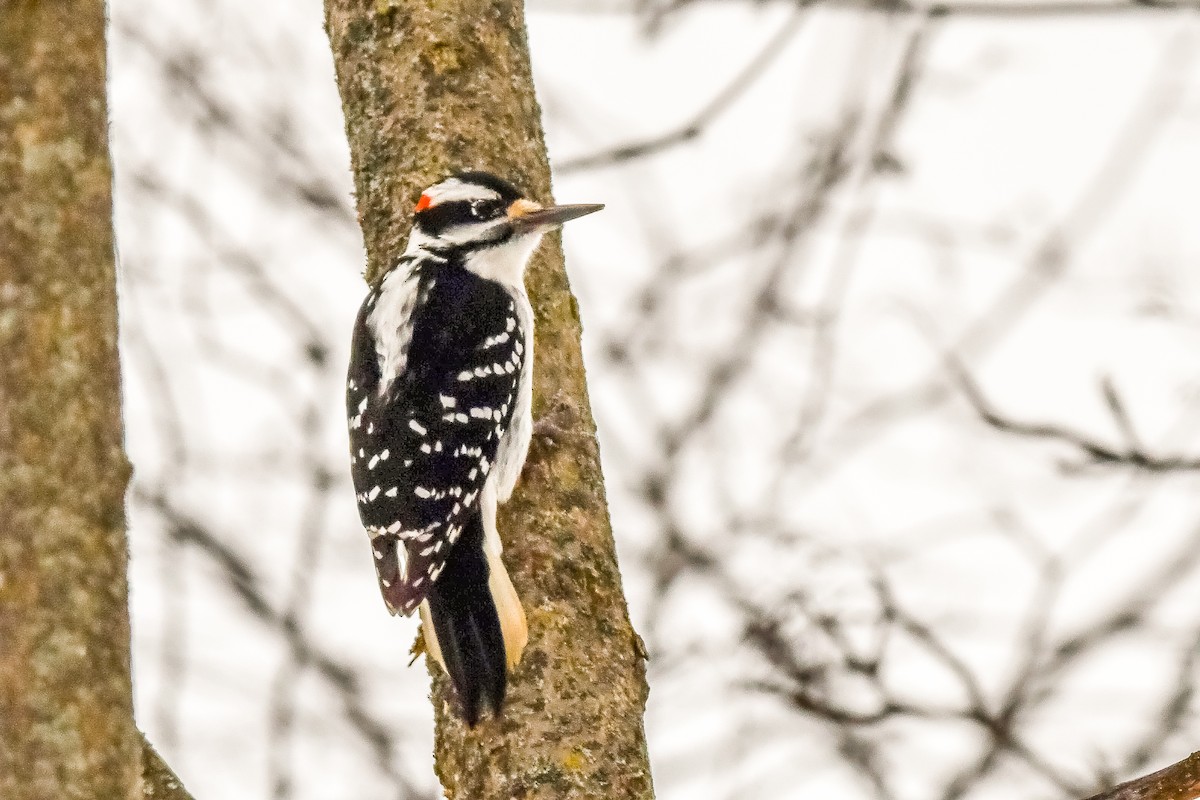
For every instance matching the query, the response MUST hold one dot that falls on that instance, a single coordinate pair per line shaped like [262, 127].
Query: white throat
[505, 263]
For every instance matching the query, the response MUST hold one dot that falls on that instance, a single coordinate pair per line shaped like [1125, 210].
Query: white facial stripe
[416, 243]
[453, 189]
[479, 231]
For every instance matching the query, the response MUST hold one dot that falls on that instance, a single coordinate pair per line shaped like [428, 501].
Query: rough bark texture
[159, 781]
[1180, 781]
[66, 712]
[427, 88]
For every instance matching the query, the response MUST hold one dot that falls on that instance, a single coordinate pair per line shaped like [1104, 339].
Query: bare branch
[1180, 781]
[1095, 450]
[693, 128]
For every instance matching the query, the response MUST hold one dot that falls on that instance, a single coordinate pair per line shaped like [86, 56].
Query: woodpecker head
[486, 222]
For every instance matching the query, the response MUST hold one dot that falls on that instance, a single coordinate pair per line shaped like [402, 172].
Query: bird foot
[418, 646]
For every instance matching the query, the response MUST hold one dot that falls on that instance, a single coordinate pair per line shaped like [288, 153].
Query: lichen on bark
[428, 88]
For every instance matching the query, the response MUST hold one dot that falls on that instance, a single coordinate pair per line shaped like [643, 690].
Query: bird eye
[484, 209]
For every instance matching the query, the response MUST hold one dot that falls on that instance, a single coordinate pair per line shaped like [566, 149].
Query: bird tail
[474, 624]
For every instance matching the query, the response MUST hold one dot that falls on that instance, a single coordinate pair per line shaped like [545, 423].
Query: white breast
[514, 446]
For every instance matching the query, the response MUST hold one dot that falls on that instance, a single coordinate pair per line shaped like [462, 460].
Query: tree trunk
[428, 88]
[66, 711]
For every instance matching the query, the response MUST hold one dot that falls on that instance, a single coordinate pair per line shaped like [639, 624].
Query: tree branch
[694, 127]
[1132, 454]
[159, 781]
[1180, 781]
[1020, 9]
[1001, 9]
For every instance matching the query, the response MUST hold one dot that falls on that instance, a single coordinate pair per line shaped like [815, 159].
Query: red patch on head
[424, 203]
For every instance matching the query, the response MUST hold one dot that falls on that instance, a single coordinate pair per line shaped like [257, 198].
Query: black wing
[422, 448]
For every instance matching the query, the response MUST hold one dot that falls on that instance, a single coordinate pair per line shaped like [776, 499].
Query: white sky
[1018, 129]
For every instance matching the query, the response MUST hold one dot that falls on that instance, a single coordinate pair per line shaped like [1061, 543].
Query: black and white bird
[439, 396]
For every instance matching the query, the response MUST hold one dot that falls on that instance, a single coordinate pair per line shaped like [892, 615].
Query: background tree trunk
[426, 89]
[66, 712]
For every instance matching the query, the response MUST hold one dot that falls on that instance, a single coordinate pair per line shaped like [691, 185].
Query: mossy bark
[66, 711]
[427, 88]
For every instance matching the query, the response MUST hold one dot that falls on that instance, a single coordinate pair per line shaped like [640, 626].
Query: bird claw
[418, 646]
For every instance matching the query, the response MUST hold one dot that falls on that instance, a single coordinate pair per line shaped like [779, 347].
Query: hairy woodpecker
[438, 397]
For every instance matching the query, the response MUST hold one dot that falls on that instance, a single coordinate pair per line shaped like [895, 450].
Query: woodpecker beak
[527, 216]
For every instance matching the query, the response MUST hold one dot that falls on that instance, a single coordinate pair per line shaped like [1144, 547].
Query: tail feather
[467, 627]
